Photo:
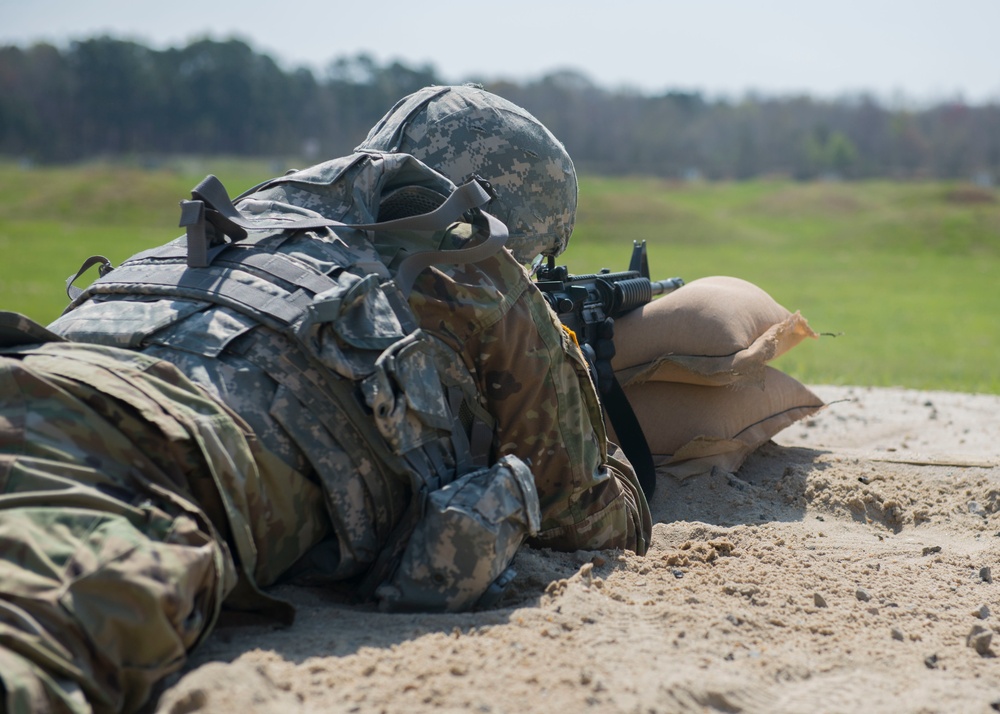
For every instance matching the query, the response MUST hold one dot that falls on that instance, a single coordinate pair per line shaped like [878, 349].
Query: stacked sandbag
[694, 365]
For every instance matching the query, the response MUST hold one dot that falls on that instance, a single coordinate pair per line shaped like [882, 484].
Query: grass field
[907, 275]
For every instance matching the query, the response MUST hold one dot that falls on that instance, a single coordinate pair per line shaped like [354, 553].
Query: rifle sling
[630, 434]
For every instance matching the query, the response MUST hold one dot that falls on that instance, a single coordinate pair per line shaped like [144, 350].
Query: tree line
[107, 96]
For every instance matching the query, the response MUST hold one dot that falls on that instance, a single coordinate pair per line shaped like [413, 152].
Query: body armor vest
[292, 309]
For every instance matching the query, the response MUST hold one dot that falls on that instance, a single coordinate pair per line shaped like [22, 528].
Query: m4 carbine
[587, 306]
[584, 302]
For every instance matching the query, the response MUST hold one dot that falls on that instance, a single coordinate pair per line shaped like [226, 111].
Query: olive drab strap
[414, 264]
[211, 204]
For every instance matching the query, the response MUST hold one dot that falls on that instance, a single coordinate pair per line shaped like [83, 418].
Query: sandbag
[693, 428]
[713, 331]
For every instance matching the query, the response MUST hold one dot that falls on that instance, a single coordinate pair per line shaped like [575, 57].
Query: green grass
[906, 274]
[52, 219]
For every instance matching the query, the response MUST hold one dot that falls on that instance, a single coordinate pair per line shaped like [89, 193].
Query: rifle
[587, 306]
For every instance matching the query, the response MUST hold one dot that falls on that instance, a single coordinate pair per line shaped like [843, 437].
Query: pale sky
[907, 50]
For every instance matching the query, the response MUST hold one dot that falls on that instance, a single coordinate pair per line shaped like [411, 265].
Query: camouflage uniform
[182, 452]
[465, 130]
[536, 385]
[131, 506]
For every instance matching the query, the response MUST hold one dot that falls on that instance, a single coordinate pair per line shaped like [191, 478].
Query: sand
[848, 566]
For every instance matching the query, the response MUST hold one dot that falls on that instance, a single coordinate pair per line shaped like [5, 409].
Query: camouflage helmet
[464, 130]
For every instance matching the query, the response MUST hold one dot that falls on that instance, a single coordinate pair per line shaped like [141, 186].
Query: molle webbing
[277, 291]
[231, 287]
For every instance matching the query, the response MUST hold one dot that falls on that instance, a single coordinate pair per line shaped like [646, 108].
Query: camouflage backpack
[289, 304]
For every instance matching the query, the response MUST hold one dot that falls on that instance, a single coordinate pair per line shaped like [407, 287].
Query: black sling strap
[627, 427]
[630, 434]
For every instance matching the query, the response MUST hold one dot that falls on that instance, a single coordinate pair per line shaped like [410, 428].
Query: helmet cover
[463, 131]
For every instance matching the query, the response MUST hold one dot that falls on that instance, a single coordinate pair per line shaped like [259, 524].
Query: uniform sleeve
[535, 383]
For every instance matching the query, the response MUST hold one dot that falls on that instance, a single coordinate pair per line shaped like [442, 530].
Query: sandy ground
[847, 567]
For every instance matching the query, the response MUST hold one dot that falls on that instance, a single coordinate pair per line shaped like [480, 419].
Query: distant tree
[226, 98]
[35, 97]
[115, 96]
[360, 92]
[828, 153]
[112, 96]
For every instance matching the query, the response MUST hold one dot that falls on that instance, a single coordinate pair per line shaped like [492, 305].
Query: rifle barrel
[662, 287]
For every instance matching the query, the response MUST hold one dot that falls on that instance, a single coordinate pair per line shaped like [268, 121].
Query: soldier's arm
[539, 390]
[535, 383]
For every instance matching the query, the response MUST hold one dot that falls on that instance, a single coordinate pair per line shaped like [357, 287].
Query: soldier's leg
[110, 569]
[99, 604]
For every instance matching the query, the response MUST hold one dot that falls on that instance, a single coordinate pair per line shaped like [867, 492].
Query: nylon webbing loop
[278, 265]
[106, 267]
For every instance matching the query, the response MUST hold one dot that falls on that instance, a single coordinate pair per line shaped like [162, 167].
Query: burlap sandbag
[713, 331]
[693, 428]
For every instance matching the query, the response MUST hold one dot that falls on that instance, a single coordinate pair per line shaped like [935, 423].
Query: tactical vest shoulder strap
[211, 204]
